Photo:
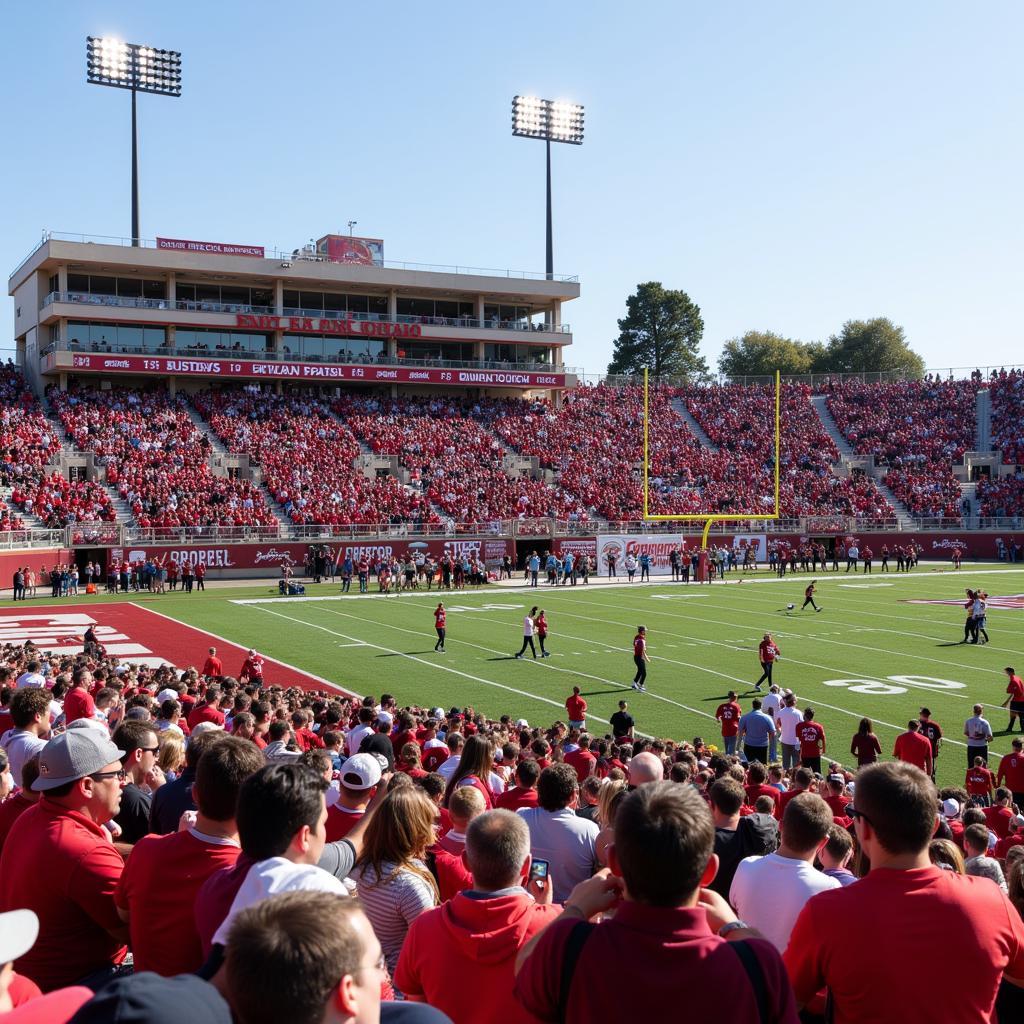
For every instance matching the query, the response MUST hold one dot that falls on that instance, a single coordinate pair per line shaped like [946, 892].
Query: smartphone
[538, 871]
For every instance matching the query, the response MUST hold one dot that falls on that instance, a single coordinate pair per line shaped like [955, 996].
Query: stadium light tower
[552, 121]
[140, 69]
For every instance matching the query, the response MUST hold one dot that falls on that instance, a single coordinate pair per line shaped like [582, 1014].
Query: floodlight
[550, 121]
[137, 68]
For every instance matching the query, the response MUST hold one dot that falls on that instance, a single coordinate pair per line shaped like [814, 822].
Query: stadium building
[332, 311]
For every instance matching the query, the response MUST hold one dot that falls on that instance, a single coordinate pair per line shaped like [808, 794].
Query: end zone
[142, 636]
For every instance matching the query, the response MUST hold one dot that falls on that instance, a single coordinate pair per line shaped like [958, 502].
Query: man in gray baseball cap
[60, 863]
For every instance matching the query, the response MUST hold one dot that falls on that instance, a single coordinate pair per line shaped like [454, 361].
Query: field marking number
[877, 687]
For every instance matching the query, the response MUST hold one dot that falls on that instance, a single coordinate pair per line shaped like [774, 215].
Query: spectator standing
[79, 703]
[640, 658]
[622, 724]
[663, 930]
[359, 778]
[59, 862]
[480, 931]
[979, 735]
[30, 713]
[729, 715]
[1015, 698]
[139, 742]
[391, 874]
[1011, 772]
[576, 709]
[528, 631]
[756, 728]
[977, 862]
[161, 880]
[914, 748]
[812, 741]
[557, 834]
[787, 720]
[737, 836]
[943, 917]
[524, 793]
[932, 732]
[865, 746]
[768, 653]
[769, 892]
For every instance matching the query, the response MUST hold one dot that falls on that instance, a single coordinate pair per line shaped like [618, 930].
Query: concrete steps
[983, 420]
[679, 408]
[821, 408]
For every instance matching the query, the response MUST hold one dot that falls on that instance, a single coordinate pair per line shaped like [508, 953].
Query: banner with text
[217, 248]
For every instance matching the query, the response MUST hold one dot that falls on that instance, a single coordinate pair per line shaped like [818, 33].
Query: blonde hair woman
[171, 757]
[608, 800]
[391, 874]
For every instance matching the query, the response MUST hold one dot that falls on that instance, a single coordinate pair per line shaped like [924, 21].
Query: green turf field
[866, 654]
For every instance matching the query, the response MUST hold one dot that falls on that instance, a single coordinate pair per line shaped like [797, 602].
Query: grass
[866, 654]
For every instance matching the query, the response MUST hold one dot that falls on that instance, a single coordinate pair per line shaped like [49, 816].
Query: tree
[761, 353]
[870, 346]
[661, 330]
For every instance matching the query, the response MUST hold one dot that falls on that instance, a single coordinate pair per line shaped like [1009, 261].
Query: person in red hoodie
[581, 758]
[79, 702]
[448, 853]
[576, 709]
[479, 932]
[252, 668]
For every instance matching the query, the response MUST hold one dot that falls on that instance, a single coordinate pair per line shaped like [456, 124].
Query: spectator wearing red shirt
[802, 779]
[1015, 698]
[79, 702]
[479, 933]
[914, 748]
[450, 866]
[213, 668]
[405, 733]
[19, 802]
[767, 653]
[835, 796]
[208, 710]
[999, 815]
[576, 709]
[581, 759]
[161, 880]
[304, 736]
[360, 777]
[524, 793]
[440, 622]
[811, 737]
[662, 936]
[865, 746]
[60, 863]
[252, 668]
[1014, 837]
[729, 715]
[1011, 772]
[757, 785]
[943, 917]
[979, 781]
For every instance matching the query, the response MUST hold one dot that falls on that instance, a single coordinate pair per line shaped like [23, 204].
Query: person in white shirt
[979, 735]
[31, 676]
[30, 712]
[528, 628]
[447, 768]
[787, 719]
[770, 703]
[354, 737]
[769, 892]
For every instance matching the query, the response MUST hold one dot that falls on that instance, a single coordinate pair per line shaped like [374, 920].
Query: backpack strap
[755, 973]
[573, 947]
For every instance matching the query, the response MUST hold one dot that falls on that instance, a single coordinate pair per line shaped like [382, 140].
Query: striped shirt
[393, 905]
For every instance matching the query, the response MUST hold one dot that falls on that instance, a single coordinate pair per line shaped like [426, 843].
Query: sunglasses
[120, 775]
[855, 814]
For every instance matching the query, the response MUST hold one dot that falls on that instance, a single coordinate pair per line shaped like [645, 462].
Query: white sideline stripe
[540, 663]
[430, 664]
[235, 643]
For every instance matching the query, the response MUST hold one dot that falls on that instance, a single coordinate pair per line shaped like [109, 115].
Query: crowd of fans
[915, 428]
[192, 844]
[156, 458]
[307, 456]
[454, 457]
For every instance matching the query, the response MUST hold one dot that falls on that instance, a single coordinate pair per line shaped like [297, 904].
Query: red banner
[217, 248]
[314, 372]
[348, 249]
[272, 556]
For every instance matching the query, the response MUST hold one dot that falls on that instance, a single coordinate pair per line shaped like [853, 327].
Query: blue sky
[790, 165]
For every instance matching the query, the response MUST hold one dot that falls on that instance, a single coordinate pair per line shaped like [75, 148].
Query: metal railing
[33, 538]
[293, 256]
[209, 306]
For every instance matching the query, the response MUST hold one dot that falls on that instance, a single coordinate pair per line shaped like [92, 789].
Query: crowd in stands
[454, 457]
[916, 429]
[156, 457]
[276, 854]
[308, 458]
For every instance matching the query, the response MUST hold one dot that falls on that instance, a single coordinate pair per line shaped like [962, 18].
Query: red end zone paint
[137, 634]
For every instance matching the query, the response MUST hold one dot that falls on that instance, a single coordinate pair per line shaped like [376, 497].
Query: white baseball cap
[167, 694]
[18, 932]
[522, 723]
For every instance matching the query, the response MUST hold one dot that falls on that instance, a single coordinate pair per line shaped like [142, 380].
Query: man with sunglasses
[140, 744]
[58, 862]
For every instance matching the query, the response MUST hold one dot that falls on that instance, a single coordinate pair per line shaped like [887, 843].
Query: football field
[872, 651]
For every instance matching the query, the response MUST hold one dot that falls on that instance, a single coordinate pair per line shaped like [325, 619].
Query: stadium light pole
[139, 69]
[551, 121]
